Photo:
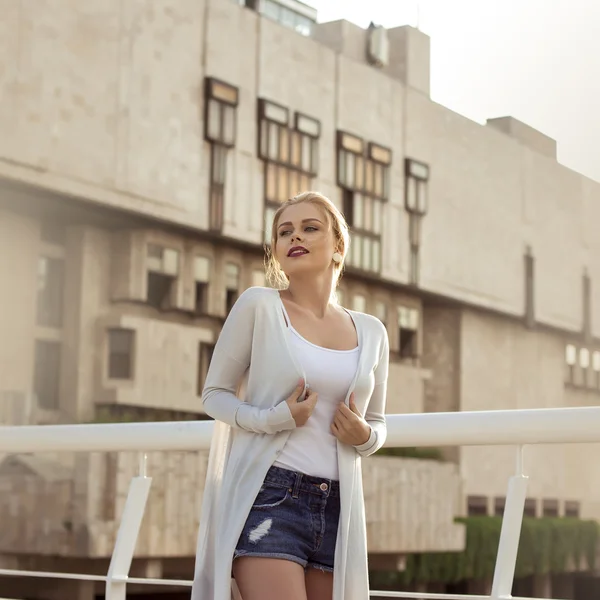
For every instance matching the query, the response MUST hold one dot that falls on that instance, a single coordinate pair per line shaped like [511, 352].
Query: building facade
[144, 148]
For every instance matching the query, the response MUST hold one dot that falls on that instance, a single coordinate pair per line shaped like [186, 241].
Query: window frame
[132, 334]
[40, 373]
[283, 175]
[359, 192]
[54, 318]
[209, 95]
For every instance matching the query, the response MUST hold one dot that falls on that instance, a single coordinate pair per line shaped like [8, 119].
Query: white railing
[507, 428]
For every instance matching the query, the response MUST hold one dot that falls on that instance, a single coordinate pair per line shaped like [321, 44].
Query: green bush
[420, 453]
[548, 545]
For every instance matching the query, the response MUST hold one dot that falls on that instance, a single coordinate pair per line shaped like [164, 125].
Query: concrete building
[143, 148]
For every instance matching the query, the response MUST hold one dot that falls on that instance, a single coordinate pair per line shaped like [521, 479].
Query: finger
[345, 412]
[335, 430]
[299, 389]
[353, 405]
[312, 399]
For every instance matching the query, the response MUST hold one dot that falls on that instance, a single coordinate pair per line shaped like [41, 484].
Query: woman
[283, 507]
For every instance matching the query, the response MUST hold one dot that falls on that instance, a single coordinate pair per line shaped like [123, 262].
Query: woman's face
[305, 241]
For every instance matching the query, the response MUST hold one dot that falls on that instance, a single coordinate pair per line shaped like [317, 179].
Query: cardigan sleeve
[230, 360]
[375, 414]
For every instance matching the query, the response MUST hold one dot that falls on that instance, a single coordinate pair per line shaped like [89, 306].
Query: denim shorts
[294, 517]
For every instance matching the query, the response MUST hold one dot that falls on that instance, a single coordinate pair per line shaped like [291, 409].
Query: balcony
[137, 450]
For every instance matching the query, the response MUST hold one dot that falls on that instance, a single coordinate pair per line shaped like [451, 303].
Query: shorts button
[324, 487]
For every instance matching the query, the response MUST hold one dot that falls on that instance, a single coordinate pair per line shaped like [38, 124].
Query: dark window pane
[477, 506]
[530, 508]
[159, 290]
[348, 206]
[51, 281]
[205, 352]
[201, 299]
[572, 509]
[46, 382]
[120, 353]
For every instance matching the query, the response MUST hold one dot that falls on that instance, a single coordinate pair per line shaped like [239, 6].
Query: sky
[535, 60]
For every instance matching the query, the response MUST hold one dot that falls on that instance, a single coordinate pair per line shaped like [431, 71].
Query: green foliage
[548, 545]
[420, 453]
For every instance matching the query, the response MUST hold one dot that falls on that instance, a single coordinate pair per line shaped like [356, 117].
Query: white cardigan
[248, 437]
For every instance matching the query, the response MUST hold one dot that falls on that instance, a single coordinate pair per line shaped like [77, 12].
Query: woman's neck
[311, 294]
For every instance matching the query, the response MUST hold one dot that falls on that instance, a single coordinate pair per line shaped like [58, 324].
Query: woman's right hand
[301, 409]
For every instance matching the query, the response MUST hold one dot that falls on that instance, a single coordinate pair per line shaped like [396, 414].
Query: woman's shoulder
[255, 296]
[371, 324]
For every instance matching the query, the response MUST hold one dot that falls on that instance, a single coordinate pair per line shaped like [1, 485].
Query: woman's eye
[282, 233]
[311, 228]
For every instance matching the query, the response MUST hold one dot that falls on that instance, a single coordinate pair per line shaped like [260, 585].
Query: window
[570, 361]
[550, 508]
[46, 383]
[529, 289]
[408, 323]
[120, 353]
[584, 365]
[572, 509]
[587, 307]
[220, 131]
[50, 294]
[232, 284]
[596, 369]
[381, 311]
[162, 265]
[359, 303]
[530, 509]
[205, 352]
[416, 178]
[201, 278]
[477, 506]
[290, 154]
[286, 17]
[499, 505]
[363, 174]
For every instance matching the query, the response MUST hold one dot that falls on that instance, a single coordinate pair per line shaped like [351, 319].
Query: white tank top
[312, 448]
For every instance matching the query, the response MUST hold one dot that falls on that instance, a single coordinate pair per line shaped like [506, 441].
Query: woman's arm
[230, 360]
[375, 415]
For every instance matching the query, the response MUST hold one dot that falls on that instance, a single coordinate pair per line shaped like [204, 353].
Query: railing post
[512, 522]
[129, 528]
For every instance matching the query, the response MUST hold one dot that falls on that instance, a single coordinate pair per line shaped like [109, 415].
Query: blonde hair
[275, 276]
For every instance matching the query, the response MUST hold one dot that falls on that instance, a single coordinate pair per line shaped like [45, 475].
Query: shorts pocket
[270, 496]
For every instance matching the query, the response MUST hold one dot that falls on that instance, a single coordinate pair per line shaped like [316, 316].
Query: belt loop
[296, 490]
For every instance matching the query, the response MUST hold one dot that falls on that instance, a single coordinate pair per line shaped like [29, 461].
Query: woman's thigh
[269, 579]
[319, 584]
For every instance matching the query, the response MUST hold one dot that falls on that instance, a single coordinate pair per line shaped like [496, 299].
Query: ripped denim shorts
[294, 517]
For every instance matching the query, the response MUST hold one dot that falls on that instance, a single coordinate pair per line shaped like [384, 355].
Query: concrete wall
[114, 113]
[503, 366]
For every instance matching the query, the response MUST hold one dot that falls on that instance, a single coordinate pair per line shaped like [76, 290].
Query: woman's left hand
[349, 426]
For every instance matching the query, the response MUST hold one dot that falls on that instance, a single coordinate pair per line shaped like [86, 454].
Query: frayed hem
[321, 568]
[290, 557]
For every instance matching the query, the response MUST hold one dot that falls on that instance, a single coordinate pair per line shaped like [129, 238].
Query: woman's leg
[269, 579]
[319, 584]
